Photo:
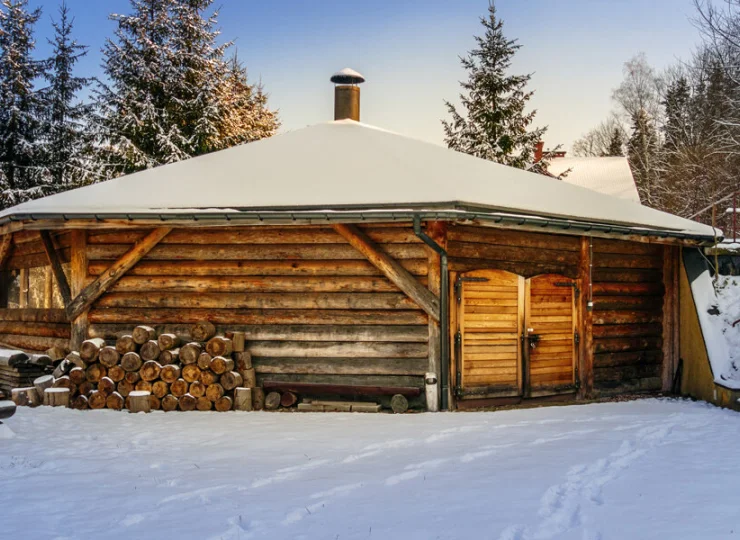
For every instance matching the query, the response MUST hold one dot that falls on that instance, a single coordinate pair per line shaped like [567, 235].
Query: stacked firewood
[18, 369]
[208, 373]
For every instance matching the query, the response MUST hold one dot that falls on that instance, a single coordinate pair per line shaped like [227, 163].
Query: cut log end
[399, 404]
[138, 401]
[272, 401]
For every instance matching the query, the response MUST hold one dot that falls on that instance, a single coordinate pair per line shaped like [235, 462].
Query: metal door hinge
[458, 339]
[577, 337]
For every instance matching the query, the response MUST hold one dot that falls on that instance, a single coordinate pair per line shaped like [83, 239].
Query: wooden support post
[23, 296]
[437, 231]
[391, 269]
[585, 329]
[669, 317]
[6, 249]
[78, 275]
[56, 266]
[98, 287]
[48, 287]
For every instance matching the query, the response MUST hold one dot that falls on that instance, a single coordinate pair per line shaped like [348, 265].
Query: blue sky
[408, 50]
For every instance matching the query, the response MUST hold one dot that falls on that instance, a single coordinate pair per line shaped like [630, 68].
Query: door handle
[534, 339]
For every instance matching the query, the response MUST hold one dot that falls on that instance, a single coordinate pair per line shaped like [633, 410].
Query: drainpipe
[444, 316]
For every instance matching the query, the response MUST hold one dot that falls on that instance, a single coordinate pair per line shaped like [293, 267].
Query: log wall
[628, 315]
[312, 307]
[34, 329]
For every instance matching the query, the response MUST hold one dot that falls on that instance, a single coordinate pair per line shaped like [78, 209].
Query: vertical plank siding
[628, 316]
[313, 308]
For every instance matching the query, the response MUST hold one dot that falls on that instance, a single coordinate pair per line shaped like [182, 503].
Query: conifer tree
[20, 177]
[616, 144]
[494, 124]
[67, 143]
[643, 156]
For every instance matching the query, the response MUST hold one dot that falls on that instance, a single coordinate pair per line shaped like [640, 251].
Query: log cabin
[361, 262]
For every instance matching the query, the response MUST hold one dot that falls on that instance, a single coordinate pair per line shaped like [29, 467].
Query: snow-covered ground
[643, 469]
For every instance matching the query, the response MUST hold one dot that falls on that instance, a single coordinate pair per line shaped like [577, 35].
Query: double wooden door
[516, 336]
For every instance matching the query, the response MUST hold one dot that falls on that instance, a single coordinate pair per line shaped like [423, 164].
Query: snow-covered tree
[67, 143]
[494, 123]
[21, 178]
[643, 153]
[606, 139]
[616, 143]
[244, 114]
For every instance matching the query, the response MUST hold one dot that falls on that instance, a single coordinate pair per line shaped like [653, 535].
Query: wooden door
[550, 335]
[490, 319]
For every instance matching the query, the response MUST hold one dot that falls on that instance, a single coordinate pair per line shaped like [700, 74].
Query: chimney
[539, 151]
[347, 94]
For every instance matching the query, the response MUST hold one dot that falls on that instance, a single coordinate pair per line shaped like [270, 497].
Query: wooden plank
[339, 389]
[6, 249]
[56, 266]
[97, 288]
[341, 366]
[78, 277]
[586, 326]
[256, 316]
[354, 268]
[391, 269]
[23, 293]
[669, 321]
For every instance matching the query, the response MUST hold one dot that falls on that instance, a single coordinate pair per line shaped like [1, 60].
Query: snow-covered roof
[608, 175]
[346, 165]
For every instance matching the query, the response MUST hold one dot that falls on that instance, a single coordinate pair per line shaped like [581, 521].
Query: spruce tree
[20, 177]
[494, 124]
[67, 142]
[244, 114]
[643, 156]
[616, 144]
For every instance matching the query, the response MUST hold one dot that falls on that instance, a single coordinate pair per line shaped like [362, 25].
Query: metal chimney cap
[347, 76]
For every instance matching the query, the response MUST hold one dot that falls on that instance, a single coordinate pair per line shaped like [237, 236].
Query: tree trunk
[149, 350]
[77, 376]
[169, 403]
[85, 388]
[189, 353]
[208, 377]
[95, 372]
[204, 404]
[250, 378]
[131, 362]
[238, 340]
[116, 373]
[288, 399]
[124, 388]
[258, 398]
[197, 389]
[114, 401]
[170, 373]
[138, 401]
[144, 386]
[76, 360]
[188, 403]
[230, 380]
[167, 342]
[64, 367]
[202, 331]
[132, 377]
[155, 403]
[224, 404]
[160, 389]
[56, 397]
[150, 370]
[79, 403]
[243, 399]
[214, 392]
[219, 346]
[25, 397]
[109, 356]
[272, 401]
[90, 349]
[169, 357]
[106, 386]
[242, 360]
[204, 360]
[191, 373]
[47, 381]
[142, 334]
[96, 400]
[399, 404]
[221, 365]
[179, 388]
[125, 344]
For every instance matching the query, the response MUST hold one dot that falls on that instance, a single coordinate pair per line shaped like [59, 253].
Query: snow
[727, 372]
[643, 469]
[608, 175]
[346, 164]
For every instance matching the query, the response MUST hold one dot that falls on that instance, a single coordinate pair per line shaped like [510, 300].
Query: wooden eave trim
[391, 269]
[114, 272]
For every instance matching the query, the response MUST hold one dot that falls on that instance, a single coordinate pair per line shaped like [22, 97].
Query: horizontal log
[608, 260]
[603, 245]
[626, 373]
[35, 260]
[627, 275]
[466, 250]
[257, 235]
[627, 330]
[630, 358]
[377, 333]
[251, 317]
[34, 315]
[483, 235]
[33, 343]
[526, 269]
[626, 317]
[628, 289]
[34, 244]
[354, 380]
[258, 301]
[338, 389]
[232, 252]
[303, 349]
[611, 303]
[624, 344]
[268, 284]
[342, 366]
[35, 329]
[417, 267]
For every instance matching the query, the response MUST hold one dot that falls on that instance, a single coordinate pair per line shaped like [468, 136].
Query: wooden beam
[586, 348]
[6, 248]
[391, 269]
[98, 287]
[669, 317]
[56, 266]
[78, 276]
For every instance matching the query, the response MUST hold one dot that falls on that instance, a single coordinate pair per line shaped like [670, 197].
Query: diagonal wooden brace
[391, 269]
[56, 267]
[104, 281]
